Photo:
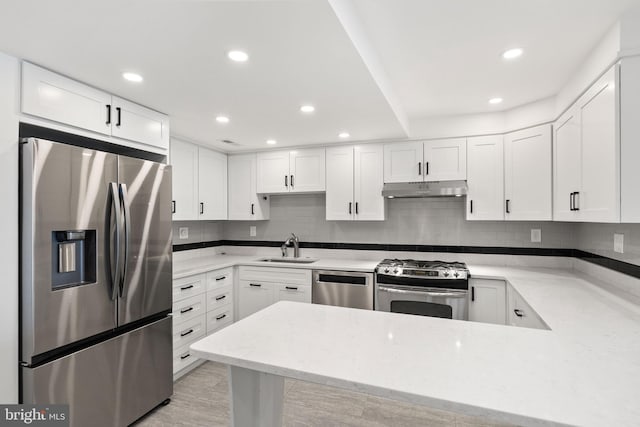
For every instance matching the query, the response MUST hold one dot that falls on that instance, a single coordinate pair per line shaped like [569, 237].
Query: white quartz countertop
[213, 262]
[584, 371]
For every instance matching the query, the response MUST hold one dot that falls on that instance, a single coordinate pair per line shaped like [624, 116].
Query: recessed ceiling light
[344, 135]
[495, 100]
[271, 141]
[238, 55]
[222, 119]
[512, 53]
[307, 108]
[132, 77]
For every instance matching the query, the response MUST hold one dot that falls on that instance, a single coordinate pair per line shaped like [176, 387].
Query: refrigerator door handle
[124, 199]
[114, 202]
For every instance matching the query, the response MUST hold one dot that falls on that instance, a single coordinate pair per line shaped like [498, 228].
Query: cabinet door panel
[339, 184]
[528, 174]
[137, 123]
[566, 165]
[307, 170]
[445, 160]
[54, 97]
[240, 186]
[485, 178]
[368, 182]
[273, 172]
[184, 185]
[212, 190]
[403, 162]
[296, 293]
[253, 296]
[488, 301]
[599, 198]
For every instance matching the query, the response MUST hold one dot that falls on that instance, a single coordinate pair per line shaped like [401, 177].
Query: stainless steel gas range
[425, 288]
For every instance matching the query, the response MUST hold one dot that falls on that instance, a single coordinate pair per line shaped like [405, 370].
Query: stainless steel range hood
[425, 189]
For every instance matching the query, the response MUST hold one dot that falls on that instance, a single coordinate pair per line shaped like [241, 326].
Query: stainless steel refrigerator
[95, 282]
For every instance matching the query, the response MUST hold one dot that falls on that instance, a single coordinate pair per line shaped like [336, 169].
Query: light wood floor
[201, 399]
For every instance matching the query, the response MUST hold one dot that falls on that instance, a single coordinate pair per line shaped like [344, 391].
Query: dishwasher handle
[342, 278]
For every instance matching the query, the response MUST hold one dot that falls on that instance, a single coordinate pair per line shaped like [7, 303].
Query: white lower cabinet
[260, 287]
[519, 313]
[202, 304]
[487, 301]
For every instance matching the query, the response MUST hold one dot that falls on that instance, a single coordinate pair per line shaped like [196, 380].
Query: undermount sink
[290, 260]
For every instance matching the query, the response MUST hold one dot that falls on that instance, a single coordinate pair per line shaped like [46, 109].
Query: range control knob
[386, 270]
[395, 271]
[456, 274]
[445, 274]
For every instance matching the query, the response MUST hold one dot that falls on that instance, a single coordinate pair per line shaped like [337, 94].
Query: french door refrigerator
[95, 282]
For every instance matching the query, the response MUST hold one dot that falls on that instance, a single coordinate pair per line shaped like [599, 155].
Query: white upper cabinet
[586, 154]
[307, 170]
[527, 157]
[437, 160]
[485, 174]
[295, 171]
[403, 162]
[137, 123]
[354, 183]
[199, 182]
[244, 202]
[184, 184]
[445, 160]
[54, 97]
[212, 188]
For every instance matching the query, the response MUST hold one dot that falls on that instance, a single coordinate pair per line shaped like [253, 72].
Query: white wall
[9, 106]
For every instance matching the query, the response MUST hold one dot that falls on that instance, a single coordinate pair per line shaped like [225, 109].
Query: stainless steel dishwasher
[342, 288]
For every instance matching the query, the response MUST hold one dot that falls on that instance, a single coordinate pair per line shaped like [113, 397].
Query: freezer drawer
[112, 383]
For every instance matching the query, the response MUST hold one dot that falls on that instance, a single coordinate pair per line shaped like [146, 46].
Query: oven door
[432, 302]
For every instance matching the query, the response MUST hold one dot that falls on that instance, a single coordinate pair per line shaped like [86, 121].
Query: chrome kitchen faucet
[293, 240]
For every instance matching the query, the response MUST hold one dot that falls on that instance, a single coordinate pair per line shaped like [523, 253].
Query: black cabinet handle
[220, 278]
[419, 168]
[350, 208]
[173, 206]
[473, 293]
[184, 334]
[221, 297]
[470, 206]
[255, 285]
[291, 181]
[252, 211]
[571, 201]
[221, 317]
[201, 208]
[108, 122]
[291, 288]
[356, 208]
[286, 181]
[506, 203]
[518, 312]
[184, 288]
[119, 111]
[186, 310]
[185, 356]
[426, 168]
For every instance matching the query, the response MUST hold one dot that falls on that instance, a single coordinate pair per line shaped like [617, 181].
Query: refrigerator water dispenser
[73, 260]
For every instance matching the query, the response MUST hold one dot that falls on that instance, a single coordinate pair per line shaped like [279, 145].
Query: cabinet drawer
[219, 278]
[182, 357]
[189, 308]
[219, 297]
[275, 274]
[188, 286]
[217, 319]
[290, 292]
[187, 332]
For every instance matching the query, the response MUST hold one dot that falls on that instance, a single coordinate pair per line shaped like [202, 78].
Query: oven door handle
[430, 292]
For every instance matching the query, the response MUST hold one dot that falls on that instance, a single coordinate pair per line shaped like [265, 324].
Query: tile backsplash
[199, 231]
[409, 221]
[598, 239]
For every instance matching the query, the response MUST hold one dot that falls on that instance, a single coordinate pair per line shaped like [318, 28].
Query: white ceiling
[434, 57]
